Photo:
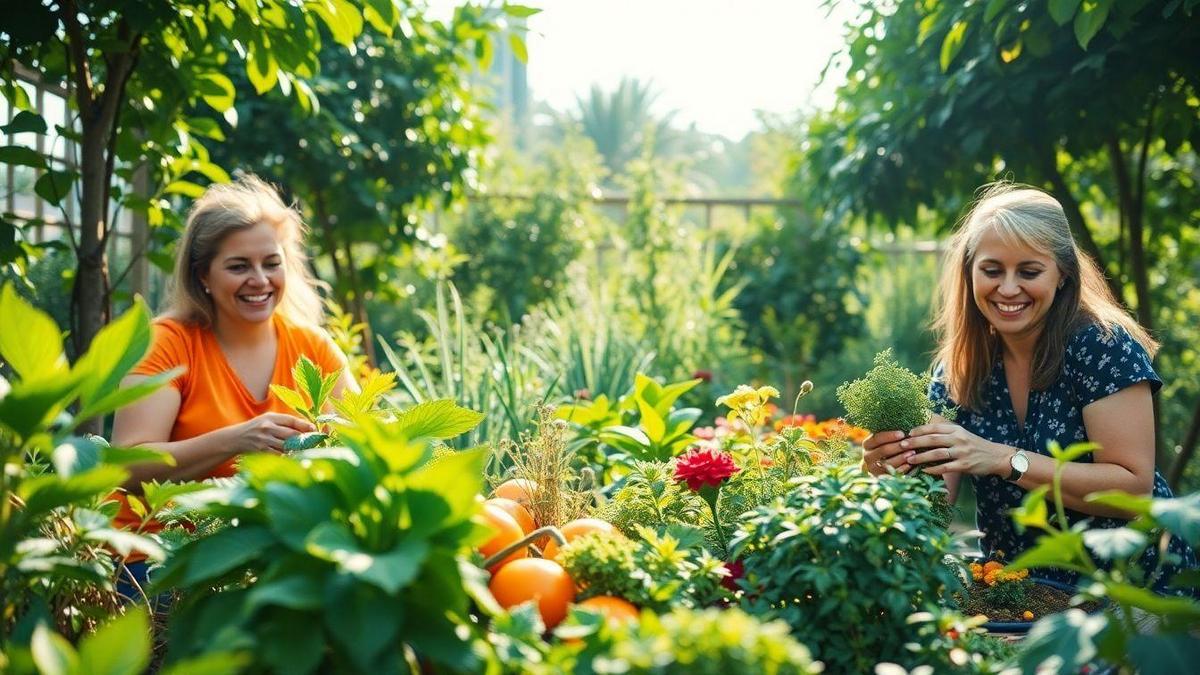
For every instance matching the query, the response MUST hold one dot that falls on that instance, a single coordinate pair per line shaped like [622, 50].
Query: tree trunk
[358, 307]
[1186, 451]
[1078, 223]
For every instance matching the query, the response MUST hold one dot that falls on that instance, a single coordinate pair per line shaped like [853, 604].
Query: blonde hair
[1028, 217]
[231, 207]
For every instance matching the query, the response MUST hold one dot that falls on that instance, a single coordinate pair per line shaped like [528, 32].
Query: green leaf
[1051, 550]
[1180, 516]
[213, 556]
[1063, 10]
[296, 511]
[46, 493]
[381, 14]
[185, 188]
[458, 478]
[520, 11]
[25, 121]
[29, 406]
[1070, 636]
[518, 47]
[217, 663]
[125, 542]
[20, 155]
[398, 567]
[1164, 653]
[952, 44]
[34, 350]
[1090, 20]
[120, 647]
[1072, 452]
[361, 619]
[304, 441]
[1114, 543]
[75, 455]
[1168, 606]
[135, 392]
[217, 90]
[294, 591]
[653, 424]
[115, 350]
[993, 9]
[441, 419]
[291, 398]
[1122, 500]
[1033, 511]
[261, 67]
[55, 185]
[52, 653]
[291, 641]
[158, 495]
[124, 456]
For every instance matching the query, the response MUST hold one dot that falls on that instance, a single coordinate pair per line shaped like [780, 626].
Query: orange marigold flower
[992, 565]
[1028, 615]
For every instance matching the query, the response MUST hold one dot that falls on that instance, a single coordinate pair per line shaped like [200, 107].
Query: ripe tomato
[520, 490]
[615, 610]
[507, 532]
[519, 513]
[537, 579]
[577, 528]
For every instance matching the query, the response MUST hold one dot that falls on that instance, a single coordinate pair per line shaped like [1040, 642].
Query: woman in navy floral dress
[1033, 348]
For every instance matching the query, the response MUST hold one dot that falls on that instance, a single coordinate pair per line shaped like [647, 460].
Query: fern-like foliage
[890, 397]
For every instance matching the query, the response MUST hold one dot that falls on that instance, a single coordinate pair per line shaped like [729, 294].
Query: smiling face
[246, 278]
[1013, 285]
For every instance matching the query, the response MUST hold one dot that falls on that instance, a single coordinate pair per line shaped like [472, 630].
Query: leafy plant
[650, 497]
[350, 558]
[944, 641]
[651, 571]
[844, 559]
[56, 535]
[707, 642]
[889, 398]
[1109, 559]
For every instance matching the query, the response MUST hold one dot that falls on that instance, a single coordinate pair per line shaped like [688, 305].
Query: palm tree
[620, 122]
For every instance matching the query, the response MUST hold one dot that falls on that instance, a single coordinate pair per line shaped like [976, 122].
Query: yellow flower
[748, 403]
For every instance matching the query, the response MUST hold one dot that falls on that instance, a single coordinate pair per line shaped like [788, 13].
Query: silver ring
[879, 464]
[949, 455]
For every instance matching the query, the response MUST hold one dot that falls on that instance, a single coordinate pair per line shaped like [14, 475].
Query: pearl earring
[208, 291]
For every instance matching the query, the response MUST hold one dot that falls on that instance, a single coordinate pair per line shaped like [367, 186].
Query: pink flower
[583, 395]
[704, 467]
[704, 433]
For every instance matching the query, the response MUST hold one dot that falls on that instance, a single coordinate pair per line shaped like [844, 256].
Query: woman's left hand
[959, 450]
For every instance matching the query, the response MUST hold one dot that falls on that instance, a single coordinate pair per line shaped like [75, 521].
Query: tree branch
[1187, 450]
[81, 72]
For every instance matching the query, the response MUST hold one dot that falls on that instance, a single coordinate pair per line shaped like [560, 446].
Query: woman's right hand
[268, 431]
[882, 450]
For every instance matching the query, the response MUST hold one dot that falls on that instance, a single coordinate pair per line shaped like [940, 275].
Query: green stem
[712, 505]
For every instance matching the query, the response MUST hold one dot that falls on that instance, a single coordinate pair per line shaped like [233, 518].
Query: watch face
[1020, 462]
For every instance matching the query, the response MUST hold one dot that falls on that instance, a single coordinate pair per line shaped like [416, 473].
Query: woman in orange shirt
[243, 309]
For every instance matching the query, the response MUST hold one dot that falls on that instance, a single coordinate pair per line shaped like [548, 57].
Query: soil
[1041, 600]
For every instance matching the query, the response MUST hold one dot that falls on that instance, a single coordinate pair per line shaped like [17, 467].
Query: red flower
[705, 375]
[704, 467]
[736, 571]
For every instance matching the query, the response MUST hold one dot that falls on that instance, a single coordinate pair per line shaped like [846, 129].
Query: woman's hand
[959, 450]
[267, 432]
[883, 450]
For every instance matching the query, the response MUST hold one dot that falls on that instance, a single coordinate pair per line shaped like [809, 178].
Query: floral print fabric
[1097, 364]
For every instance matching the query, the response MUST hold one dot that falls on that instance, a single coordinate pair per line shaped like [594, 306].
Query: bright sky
[714, 61]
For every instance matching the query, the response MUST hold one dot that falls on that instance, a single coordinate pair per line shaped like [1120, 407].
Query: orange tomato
[615, 610]
[537, 579]
[577, 528]
[520, 490]
[519, 513]
[507, 532]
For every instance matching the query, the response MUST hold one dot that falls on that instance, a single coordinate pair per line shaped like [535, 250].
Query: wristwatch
[1020, 464]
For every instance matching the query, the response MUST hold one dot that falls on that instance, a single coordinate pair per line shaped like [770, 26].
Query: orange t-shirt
[212, 395]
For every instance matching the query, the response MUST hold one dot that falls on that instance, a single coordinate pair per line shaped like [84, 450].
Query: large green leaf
[1033, 511]
[74, 455]
[1090, 20]
[1063, 10]
[35, 349]
[458, 478]
[441, 419]
[651, 422]
[125, 542]
[127, 395]
[21, 156]
[291, 641]
[1164, 653]
[1180, 516]
[45, 493]
[363, 620]
[52, 653]
[1174, 607]
[25, 121]
[213, 556]
[54, 185]
[30, 406]
[1052, 550]
[295, 511]
[1114, 543]
[388, 571]
[120, 647]
[1137, 504]
[294, 591]
[1070, 636]
[952, 44]
[115, 350]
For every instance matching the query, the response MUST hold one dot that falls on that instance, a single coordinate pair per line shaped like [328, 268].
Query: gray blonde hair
[1028, 217]
[231, 207]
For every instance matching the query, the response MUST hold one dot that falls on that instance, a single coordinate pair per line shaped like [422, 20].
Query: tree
[147, 83]
[397, 124]
[1081, 98]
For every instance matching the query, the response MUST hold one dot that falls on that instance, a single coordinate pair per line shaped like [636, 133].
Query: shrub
[889, 398]
[704, 642]
[347, 559]
[844, 559]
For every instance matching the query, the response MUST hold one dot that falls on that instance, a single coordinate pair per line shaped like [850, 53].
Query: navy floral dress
[1096, 365]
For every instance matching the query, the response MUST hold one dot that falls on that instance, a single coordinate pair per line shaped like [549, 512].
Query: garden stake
[549, 530]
